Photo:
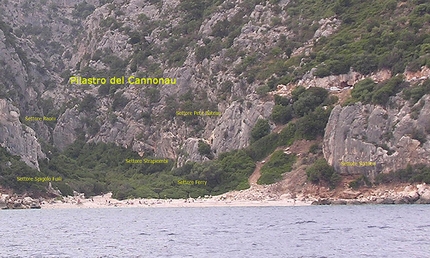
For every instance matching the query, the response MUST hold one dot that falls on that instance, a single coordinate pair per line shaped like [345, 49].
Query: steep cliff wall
[222, 53]
[46, 42]
[370, 139]
[18, 138]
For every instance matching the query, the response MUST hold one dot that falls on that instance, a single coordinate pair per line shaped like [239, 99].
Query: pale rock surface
[369, 133]
[18, 138]
[236, 124]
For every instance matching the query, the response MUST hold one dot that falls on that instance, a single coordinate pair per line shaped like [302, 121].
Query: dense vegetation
[311, 118]
[278, 164]
[419, 173]
[367, 91]
[321, 172]
[98, 168]
[365, 41]
[261, 129]
[12, 167]
[302, 103]
[416, 93]
[359, 182]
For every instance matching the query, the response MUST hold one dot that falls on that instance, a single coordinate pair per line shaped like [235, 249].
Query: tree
[283, 101]
[261, 129]
[309, 100]
[281, 114]
[193, 8]
[321, 171]
[204, 149]
[389, 88]
[363, 90]
[313, 124]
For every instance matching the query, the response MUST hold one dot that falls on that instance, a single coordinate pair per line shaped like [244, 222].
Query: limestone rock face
[18, 138]
[65, 131]
[235, 125]
[369, 139]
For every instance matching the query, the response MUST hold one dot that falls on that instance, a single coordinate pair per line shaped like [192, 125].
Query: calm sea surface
[314, 231]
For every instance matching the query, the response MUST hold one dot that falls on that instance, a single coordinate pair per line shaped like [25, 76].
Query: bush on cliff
[313, 124]
[368, 92]
[263, 147]
[261, 129]
[322, 172]
[281, 114]
[415, 93]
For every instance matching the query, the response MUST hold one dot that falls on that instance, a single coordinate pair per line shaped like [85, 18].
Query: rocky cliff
[50, 41]
[370, 139]
[225, 57]
[18, 138]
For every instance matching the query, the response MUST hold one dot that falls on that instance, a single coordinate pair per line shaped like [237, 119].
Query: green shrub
[119, 101]
[283, 101]
[359, 182]
[12, 167]
[204, 148]
[387, 89]
[281, 114]
[263, 147]
[221, 29]
[153, 95]
[278, 164]
[315, 148]
[309, 100]
[287, 135]
[363, 90]
[366, 64]
[82, 10]
[420, 136]
[261, 129]
[368, 91]
[417, 92]
[322, 172]
[193, 8]
[312, 125]
[202, 53]
[322, 71]
[117, 65]
[262, 90]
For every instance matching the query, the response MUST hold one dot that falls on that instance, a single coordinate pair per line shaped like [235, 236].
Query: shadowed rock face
[357, 135]
[18, 138]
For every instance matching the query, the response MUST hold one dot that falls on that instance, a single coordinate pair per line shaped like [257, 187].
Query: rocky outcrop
[18, 138]
[70, 43]
[235, 125]
[369, 139]
[411, 194]
[65, 132]
[168, 138]
[18, 202]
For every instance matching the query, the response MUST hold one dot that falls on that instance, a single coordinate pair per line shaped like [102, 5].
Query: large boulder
[424, 193]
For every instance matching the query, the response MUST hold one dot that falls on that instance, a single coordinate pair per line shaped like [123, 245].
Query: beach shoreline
[255, 196]
[106, 201]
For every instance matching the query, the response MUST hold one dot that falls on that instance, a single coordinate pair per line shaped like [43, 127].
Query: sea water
[307, 231]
